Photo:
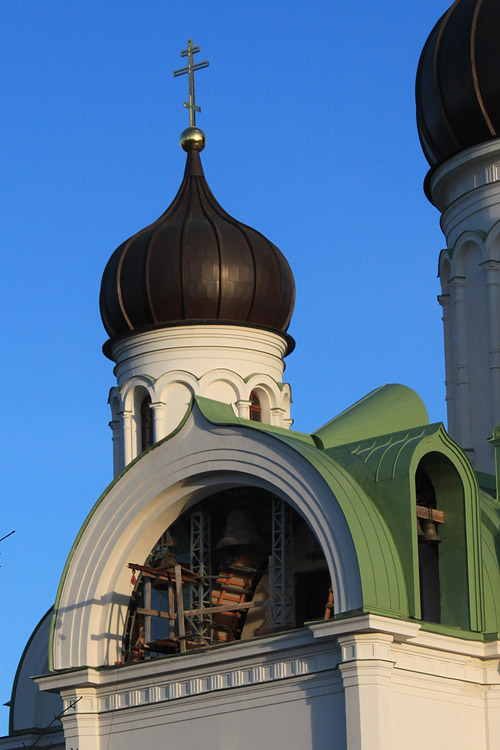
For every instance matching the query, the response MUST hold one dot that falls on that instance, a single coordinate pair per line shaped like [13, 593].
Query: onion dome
[458, 80]
[196, 264]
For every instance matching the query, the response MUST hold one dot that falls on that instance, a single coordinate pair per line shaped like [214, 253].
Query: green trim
[218, 413]
[12, 701]
[385, 467]
[469, 635]
[490, 519]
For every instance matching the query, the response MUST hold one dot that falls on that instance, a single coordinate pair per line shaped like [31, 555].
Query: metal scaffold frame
[200, 563]
[281, 567]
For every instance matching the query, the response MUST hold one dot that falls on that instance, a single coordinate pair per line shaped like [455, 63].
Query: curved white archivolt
[197, 462]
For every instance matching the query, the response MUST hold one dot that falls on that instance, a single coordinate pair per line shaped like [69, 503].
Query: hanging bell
[420, 533]
[430, 532]
[240, 531]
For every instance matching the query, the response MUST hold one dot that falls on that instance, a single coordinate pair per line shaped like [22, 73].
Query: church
[242, 584]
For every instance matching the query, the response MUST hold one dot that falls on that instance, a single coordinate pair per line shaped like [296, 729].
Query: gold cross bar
[191, 67]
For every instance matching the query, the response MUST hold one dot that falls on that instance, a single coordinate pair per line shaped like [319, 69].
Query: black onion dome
[458, 80]
[196, 264]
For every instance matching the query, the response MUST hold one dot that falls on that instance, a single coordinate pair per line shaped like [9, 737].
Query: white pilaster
[158, 410]
[492, 268]
[277, 415]
[463, 417]
[492, 716]
[81, 719]
[117, 447]
[243, 408]
[366, 667]
[128, 452]
[444, 301]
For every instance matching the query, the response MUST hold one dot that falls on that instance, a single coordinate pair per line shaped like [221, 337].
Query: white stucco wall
[364, 683]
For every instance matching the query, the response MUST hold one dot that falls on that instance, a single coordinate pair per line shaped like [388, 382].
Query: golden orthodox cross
[191, 67]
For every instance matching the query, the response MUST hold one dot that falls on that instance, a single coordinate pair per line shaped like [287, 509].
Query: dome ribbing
[458, 80]
[196, 264]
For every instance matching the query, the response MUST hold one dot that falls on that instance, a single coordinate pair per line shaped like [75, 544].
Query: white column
[366, 670]
[126, 423]
[117, 451]
[277, 414]
[492, 268]
[444, 301]
[243, 408]
[158, 410]
[463, 418]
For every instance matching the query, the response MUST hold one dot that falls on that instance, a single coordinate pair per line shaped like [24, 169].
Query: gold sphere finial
[193, 139]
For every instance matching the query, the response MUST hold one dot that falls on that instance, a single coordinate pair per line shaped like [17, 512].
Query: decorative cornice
[162, 680]
[475, 167]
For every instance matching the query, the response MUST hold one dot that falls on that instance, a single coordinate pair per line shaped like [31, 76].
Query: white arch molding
[171, 394]
[199, 461]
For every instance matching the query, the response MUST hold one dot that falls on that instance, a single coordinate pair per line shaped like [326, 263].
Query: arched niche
[468, 245]
[221, 389]
[444, 568]
[445, 272]
[237, 564]
[265, 400]
[200, 460]
[142, 420]
[492, 244]
[176, 395]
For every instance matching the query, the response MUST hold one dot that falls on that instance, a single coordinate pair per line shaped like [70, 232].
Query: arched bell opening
[238, 564]
[255, 407]
[428, 547]
[442, 543]
[145, 424]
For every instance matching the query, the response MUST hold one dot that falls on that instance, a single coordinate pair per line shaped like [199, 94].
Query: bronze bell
[430, 532]
[240, 530]
[420, 533]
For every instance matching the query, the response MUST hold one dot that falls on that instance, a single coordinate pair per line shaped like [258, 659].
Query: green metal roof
[373, 480]
[387, 409]
[368, 457]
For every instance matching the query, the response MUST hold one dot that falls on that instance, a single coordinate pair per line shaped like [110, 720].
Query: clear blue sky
[309, 113]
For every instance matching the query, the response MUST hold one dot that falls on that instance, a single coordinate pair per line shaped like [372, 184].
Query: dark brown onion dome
[458, 80]
[196, 264]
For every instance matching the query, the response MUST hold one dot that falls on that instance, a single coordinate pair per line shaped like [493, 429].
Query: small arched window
[255, 408]
[428, 548]
[146, 433]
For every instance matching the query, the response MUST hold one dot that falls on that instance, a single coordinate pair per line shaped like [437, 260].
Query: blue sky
[310, 121]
